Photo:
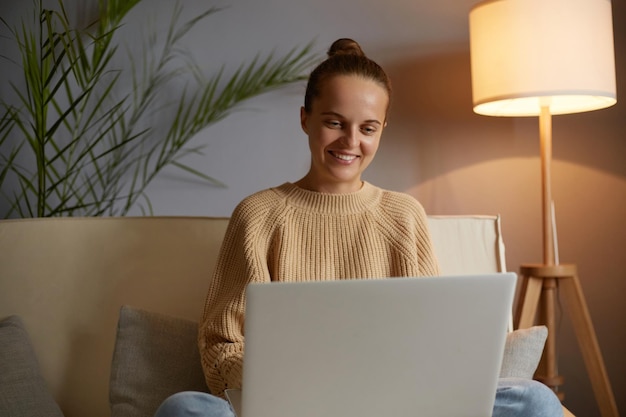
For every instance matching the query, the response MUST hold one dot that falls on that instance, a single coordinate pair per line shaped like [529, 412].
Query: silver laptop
[370, 348]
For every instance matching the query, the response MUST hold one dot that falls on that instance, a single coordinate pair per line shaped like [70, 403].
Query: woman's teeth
[343, 157]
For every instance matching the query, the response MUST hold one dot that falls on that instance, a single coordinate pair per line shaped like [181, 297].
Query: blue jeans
[514, 398]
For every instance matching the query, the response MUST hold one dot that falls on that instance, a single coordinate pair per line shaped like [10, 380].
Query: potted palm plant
[75, 142]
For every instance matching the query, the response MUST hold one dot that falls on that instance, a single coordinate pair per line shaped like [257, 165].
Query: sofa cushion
[23, 391]
[155, 356]
[522, 352]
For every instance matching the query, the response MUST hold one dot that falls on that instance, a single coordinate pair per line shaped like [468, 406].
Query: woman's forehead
[345, 93]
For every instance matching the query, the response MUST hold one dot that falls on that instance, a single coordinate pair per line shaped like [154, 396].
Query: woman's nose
[350, 137]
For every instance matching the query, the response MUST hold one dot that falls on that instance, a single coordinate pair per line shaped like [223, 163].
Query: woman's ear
[303, 120]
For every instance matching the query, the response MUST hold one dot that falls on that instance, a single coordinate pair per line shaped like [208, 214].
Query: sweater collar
[362, 200]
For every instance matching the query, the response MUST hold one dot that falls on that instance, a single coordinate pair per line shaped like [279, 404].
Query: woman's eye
[333, 124]
[369, 130]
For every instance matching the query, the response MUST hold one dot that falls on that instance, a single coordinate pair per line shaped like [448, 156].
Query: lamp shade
[528, 54]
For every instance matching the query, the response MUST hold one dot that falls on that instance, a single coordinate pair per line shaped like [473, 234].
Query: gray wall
[435, 148]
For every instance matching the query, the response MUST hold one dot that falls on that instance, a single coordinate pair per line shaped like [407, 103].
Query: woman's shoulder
[268, 197]
[397, 201]
[259, 205]
[398, 209]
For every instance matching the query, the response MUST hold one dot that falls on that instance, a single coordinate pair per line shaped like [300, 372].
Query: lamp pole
[549, 374]
[545, 137]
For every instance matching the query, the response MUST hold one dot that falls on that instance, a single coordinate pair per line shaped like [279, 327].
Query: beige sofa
[68, 278]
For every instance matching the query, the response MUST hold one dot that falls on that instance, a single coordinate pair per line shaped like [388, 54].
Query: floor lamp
[543, 58]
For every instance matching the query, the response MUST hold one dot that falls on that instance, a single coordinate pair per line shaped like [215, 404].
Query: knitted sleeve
[220, 334]
[428, 263]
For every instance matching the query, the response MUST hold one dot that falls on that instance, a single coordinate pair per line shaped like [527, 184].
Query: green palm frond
[75, 142]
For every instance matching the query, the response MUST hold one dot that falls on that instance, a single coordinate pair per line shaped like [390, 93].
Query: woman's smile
[343, 157]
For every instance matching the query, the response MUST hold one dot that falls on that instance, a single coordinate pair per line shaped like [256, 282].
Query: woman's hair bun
[345, 46]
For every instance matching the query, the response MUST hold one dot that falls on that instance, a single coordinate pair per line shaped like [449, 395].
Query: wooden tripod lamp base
[541, 282]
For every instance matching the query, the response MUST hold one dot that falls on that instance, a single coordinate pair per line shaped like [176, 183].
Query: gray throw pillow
[522, 352]
[155, 356]
[23, 391]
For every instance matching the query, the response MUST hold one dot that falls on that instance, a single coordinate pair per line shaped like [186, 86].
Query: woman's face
[344, 128]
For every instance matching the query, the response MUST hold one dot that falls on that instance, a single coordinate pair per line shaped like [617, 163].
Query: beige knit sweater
[290, 234]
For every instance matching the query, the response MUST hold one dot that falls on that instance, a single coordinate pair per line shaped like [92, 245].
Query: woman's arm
[220, 334]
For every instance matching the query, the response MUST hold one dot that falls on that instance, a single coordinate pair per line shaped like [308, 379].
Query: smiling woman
[329, 225]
